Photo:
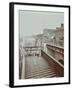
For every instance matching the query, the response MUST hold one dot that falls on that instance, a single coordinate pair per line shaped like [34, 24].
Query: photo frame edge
[11, 43]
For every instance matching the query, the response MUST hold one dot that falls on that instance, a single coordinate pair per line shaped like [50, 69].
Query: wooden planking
[37, 67]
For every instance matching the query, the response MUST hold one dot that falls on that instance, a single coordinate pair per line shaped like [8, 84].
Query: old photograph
[41, 44]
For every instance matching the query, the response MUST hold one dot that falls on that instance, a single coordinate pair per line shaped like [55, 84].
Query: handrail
[54, 59]
[23, 69]
[23, 64]
[56, 49]
[46, 51]
[56, 46]
[56, 66]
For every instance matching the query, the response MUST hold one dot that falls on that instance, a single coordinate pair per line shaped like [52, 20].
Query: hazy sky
[34, 22]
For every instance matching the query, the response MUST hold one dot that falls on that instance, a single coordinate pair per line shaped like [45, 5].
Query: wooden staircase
[37, 67]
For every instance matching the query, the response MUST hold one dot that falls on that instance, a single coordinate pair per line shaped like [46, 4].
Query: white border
[16, 46]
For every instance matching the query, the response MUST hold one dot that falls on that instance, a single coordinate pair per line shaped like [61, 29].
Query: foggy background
[34, 22]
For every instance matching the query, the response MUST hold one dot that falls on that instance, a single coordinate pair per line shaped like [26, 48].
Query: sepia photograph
[39, 44]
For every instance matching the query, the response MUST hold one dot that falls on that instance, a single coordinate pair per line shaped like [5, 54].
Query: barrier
[56, 66]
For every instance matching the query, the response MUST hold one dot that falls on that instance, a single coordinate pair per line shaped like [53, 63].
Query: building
[54, 36]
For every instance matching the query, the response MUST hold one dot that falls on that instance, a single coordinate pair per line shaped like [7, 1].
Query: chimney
[62, 25]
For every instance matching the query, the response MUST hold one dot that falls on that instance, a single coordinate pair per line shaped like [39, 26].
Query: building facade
[54, 36]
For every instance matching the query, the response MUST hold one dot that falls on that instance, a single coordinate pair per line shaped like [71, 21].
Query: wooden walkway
[37, 67]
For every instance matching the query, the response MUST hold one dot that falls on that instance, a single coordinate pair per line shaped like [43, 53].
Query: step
[42, 76]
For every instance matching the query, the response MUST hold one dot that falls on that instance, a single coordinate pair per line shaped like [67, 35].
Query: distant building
[54, 36]
[59, 34]
[29, 41]
[50, 36]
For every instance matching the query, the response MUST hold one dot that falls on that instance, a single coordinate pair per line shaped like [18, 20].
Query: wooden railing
[21, 64]
[57, 49]
[56, 66]
[23, 68]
